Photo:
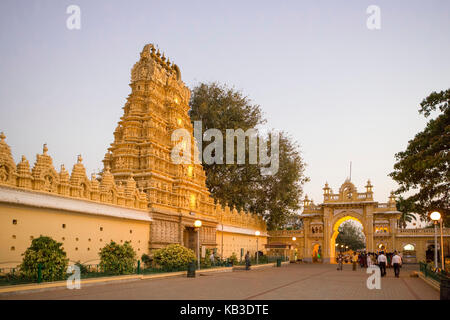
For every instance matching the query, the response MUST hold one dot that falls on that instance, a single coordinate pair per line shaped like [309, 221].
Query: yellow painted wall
[82, 238]
[298, 244]
[233, 242]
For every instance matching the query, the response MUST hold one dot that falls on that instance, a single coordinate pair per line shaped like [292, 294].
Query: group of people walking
[369, 259]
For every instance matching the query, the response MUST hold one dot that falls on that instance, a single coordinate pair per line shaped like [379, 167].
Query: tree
[350, 235]
[279, 196]
[407, 209]
[50, 255]
[424, 165]
[275, 197]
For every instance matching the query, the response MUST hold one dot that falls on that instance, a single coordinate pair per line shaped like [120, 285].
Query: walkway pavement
[292, 282]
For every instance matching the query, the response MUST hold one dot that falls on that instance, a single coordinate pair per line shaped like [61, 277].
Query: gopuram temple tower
[177, 193]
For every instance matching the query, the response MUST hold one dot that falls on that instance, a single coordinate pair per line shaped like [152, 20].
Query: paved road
[300, 281]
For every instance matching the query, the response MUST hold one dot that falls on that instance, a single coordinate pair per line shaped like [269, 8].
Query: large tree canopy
[351, 235]
[275, 197]
[423, 167]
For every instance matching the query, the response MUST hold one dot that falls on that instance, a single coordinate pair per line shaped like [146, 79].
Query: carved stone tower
[157, 105]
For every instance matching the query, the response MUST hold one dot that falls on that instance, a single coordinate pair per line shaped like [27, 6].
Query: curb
[34, 287]
[261, 266]
[431, 282]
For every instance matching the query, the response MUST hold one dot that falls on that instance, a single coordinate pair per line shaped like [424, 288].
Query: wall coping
[52, 201]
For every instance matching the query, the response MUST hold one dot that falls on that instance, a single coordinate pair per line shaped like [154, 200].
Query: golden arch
[345, 216]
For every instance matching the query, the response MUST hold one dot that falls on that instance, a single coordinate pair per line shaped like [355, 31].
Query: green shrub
[146, 260]
[174, 257]
[83, 268]
[48, 253]
[117, 259]
[233, 259]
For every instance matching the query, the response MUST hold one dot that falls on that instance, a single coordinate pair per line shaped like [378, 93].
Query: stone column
[392, 228]
[326, 240]
[369, 231]
[306, 252]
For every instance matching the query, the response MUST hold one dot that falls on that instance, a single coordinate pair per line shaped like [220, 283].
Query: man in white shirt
[382, 260]
[397, 262]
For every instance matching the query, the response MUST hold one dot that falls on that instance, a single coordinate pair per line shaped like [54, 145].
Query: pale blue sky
[344, 92]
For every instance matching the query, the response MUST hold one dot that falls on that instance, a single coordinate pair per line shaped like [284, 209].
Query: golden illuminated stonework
[177, 193]
[141, 196]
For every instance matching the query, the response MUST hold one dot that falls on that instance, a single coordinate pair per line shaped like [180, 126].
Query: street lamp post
[442, 247]
[436, 216]
[197, 225]
[295, 255]
[257, 233]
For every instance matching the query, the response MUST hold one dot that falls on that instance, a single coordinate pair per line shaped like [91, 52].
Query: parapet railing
[422, 231]
[436, 274]
[286, 233]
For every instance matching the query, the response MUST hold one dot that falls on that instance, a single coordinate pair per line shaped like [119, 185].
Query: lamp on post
[436, 216]
[197, 225]
[295, 253]
[257, 233]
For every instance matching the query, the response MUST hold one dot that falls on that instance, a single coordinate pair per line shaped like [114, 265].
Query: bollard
[445, 288]
[139, 266]
[279, 262]
[191, 270]
[39, 280]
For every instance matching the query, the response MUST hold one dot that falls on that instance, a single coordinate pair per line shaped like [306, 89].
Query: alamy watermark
[374, 20]
[73, 22]
[374, 280]
[260, 150]
[74, 280]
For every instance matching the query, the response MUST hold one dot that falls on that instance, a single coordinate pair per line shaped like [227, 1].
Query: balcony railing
[286, 233]
[422, 231]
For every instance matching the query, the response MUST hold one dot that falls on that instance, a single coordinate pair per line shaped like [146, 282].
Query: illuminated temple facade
[141, 195]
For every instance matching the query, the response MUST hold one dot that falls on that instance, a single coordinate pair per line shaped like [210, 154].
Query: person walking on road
[247, 261]
[397, 263]
[369, 260]
[211, 258]
[340, 260]
[355, 261]
[382, 263]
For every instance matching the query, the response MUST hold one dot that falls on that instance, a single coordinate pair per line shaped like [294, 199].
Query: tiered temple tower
[177, 193]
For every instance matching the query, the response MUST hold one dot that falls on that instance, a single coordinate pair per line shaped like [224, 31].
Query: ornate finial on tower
[44, 148]
[369, 186]
[326, 189]
[392, 199]
[79, 159]
[158, 54]
[24, 158]
[2, 136]
[163, 58]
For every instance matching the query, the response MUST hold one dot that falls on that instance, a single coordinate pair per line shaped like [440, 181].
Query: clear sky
[344, 92]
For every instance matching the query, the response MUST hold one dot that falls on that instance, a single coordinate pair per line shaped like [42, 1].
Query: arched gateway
[316, 240]
[321, 222]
